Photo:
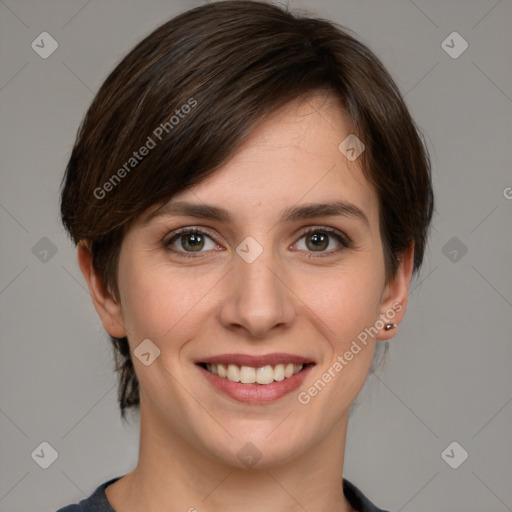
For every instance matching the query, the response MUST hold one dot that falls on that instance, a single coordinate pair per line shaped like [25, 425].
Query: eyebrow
[294, 213]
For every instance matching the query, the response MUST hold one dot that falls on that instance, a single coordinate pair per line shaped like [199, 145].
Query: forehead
[291, 157]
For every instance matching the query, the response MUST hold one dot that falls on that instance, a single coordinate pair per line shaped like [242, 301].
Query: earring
[388, 327]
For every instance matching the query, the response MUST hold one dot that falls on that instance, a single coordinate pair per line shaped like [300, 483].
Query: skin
[290, 299]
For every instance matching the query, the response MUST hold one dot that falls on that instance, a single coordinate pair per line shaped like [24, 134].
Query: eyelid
[188, 229]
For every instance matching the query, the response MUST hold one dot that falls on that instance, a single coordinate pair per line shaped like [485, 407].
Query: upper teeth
[250, 375]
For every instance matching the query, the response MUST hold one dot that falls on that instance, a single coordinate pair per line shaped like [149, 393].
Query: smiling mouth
[255, 375]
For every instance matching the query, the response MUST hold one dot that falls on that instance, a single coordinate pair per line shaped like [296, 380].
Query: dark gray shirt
[98, 502]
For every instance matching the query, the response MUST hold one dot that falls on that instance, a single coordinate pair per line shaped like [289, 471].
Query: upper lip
[255, 361]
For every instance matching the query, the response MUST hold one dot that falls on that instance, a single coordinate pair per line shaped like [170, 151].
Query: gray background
[447, 375]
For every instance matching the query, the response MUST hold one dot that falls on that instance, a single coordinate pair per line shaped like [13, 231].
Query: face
[277, 290]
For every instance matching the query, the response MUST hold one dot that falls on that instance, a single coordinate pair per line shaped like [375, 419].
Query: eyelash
[343, 239]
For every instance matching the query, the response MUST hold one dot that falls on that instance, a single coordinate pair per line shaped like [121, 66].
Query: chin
[256, 449]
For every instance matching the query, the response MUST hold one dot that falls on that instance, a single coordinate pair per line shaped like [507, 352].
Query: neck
[173, 475]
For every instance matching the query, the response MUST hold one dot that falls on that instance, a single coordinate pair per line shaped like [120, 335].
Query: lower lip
[256, 393]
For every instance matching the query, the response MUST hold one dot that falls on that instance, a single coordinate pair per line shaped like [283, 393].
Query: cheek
[146, 298]
[159, 302]
[349, 308]
[347, 303]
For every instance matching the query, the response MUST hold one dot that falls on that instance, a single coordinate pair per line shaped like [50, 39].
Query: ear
[107, 308]
[395, 295]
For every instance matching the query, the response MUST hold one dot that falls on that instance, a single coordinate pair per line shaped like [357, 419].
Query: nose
[257, 299]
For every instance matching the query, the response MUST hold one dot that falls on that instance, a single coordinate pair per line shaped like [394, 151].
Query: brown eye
[192, 241]
[317, 240]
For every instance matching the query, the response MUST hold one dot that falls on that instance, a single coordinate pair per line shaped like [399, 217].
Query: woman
[250, 198]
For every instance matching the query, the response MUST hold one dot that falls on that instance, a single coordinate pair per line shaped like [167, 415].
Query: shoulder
[96, 502]
[357, 499]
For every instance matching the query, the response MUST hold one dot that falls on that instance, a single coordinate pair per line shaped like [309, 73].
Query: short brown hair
[231, 63]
